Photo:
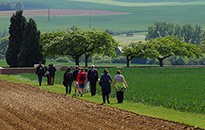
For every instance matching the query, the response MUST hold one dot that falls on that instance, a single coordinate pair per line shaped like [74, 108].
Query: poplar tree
[31, 51]
[16, 30]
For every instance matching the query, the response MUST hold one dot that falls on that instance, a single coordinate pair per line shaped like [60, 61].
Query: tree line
[7, 5]
[27, 46]
[191, 34]
[161, 48]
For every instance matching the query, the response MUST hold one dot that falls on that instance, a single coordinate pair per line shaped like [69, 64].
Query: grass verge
[193, 119]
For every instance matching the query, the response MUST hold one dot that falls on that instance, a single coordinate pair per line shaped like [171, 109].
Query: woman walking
[106, 81]
[67, 80]
[120, 85]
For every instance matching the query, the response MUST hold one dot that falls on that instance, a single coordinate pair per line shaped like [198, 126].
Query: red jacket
[78, 77]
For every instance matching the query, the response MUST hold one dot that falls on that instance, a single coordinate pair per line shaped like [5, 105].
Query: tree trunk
[128, 61]
[76, 60]
[86, 60]
[160, 62]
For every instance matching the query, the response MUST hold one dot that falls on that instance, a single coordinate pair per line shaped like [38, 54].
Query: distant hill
[140, 14]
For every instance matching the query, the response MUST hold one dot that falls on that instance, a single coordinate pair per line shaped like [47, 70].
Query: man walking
[93, 78]
[40, 71]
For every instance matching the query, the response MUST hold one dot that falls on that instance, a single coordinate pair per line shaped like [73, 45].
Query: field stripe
[61, 12]
[117, 3]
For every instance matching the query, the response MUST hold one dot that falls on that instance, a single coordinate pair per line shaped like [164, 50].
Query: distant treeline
[124, 32]
[191, 33]
[7, 5]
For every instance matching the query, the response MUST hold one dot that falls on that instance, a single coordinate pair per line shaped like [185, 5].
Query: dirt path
[25, 107]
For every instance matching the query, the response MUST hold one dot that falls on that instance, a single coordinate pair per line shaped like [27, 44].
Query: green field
[3, 63]
[194, 119]
[176, 88]
[180, 12]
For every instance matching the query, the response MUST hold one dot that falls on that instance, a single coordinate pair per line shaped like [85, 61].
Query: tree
[190, 34]
[31, 51]
[197, 36]
[78, 43]
[134, 50]
[3, 46]
[164, 47]
[46, 39]
[16, 31]
[101, 43]
[187, 31]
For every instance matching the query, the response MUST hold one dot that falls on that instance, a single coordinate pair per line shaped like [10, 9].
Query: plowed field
[61, 12]
[25, 107]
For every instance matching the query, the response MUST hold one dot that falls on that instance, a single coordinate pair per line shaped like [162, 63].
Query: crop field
[143, 3]
[24, 107]
[176, 88]
[179, 12]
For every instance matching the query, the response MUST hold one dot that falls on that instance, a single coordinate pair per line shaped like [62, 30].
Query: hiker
[81, 81]
[47, 75]
[52, 71]
[120, 86]
[40, 71]
[67, 80]
[105, 83]
[86, 88]
[93, 78]
[75, 83]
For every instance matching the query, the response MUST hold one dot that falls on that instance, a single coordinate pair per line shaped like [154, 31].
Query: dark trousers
[120, 96]
[40, 79]
[51, 79]
[105, 92]
[93, 88]
[66, 87]
[105, 95]
[48, 80]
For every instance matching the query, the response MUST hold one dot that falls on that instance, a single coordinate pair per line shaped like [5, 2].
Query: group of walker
[49, 72]
[81, 80]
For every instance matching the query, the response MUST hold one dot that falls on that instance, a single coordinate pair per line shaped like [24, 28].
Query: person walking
[40, 71]
[120, 86]
[75, 83]
[81, 81]
[86, 88]
[52, 71]
[105, 83]
[47, 75]
[93, 79]
[67, 80]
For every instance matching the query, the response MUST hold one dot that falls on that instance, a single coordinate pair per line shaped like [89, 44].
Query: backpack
[93, 75]
[81, 77]
[68, 77]
[41, 71]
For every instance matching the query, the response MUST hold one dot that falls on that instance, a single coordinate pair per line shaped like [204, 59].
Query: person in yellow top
[120, 86]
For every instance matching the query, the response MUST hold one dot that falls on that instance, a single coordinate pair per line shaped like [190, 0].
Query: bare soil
[61, 12]
[25, 107]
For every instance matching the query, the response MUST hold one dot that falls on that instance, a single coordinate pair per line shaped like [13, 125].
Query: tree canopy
[134, 50]
[80, 42]
[164, 47]
[191, 34]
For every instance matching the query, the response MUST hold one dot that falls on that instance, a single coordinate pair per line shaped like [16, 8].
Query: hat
[92, 66]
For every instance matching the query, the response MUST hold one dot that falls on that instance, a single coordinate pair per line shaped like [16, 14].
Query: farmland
[176, 88]
[25, 107]
[180, 12]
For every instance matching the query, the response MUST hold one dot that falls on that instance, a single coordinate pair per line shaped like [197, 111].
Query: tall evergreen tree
[31, 51]
[16, 30]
